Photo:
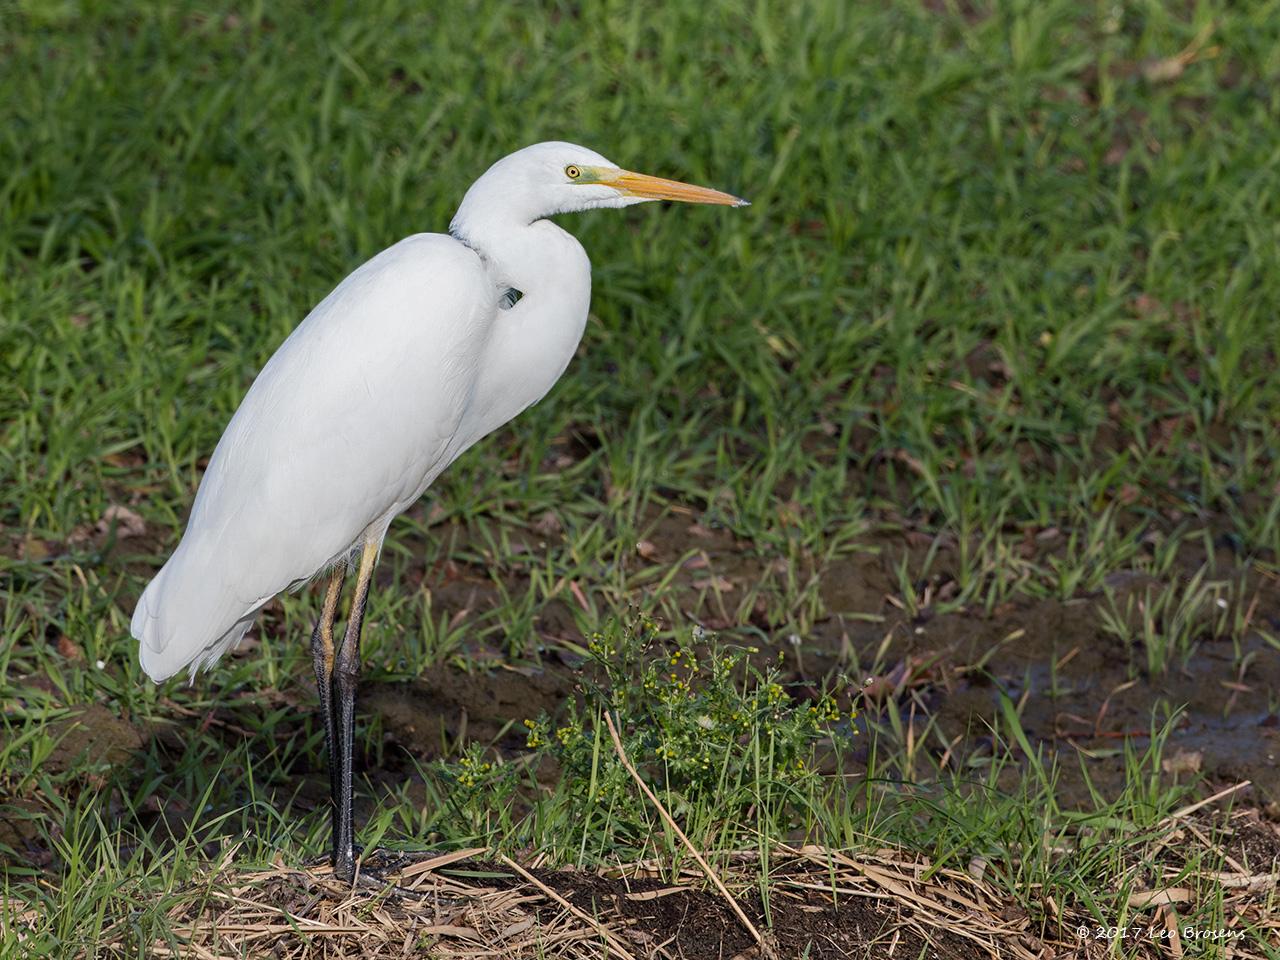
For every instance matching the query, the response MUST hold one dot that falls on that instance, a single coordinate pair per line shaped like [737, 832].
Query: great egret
[414, 357]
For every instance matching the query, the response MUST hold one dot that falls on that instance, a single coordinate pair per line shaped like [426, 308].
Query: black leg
[322, 653]
[346, 671]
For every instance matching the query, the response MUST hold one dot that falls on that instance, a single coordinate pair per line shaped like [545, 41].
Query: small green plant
[481, 788]
[1164, 624]
[727, 745]
[1095, 545]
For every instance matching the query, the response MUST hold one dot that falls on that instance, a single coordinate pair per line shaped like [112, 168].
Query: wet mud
[1082, 698]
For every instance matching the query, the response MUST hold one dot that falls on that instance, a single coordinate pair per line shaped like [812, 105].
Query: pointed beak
[655, 188]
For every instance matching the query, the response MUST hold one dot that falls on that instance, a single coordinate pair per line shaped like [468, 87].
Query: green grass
[996, 283]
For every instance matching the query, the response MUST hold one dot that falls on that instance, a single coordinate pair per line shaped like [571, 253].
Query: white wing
[345, 426]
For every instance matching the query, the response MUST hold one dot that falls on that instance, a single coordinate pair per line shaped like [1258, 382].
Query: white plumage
[409, 361]
[348, 422]
[414, 357]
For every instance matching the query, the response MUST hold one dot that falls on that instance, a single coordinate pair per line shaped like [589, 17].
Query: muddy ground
[1081, 694]
[822, 905]
[1081, 697]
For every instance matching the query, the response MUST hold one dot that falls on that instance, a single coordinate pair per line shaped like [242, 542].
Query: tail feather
[182, 620]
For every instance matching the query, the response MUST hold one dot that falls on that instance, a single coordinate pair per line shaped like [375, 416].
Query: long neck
[532, 341]
[515, 253]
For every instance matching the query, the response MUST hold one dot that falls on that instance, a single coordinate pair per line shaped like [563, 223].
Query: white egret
[415, 356]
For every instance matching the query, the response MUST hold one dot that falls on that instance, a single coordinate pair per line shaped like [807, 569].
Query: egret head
[554, 177]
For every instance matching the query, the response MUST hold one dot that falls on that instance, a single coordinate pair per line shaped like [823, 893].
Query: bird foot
[379, 869]
[382, 863]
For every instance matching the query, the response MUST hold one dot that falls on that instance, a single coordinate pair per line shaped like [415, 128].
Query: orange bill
[656, 188]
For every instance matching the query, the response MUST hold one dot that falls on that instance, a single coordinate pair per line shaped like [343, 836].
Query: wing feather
[355, 413]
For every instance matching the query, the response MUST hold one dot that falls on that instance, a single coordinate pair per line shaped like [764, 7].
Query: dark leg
[322, 652]
[346, 671]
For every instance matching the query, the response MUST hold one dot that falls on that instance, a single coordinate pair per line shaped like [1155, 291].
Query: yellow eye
[572, 172]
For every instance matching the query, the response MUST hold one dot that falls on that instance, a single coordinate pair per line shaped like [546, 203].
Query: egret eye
[572, 172]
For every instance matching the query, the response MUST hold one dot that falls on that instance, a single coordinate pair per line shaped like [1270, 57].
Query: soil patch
[823, 905]
[1081, 694]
